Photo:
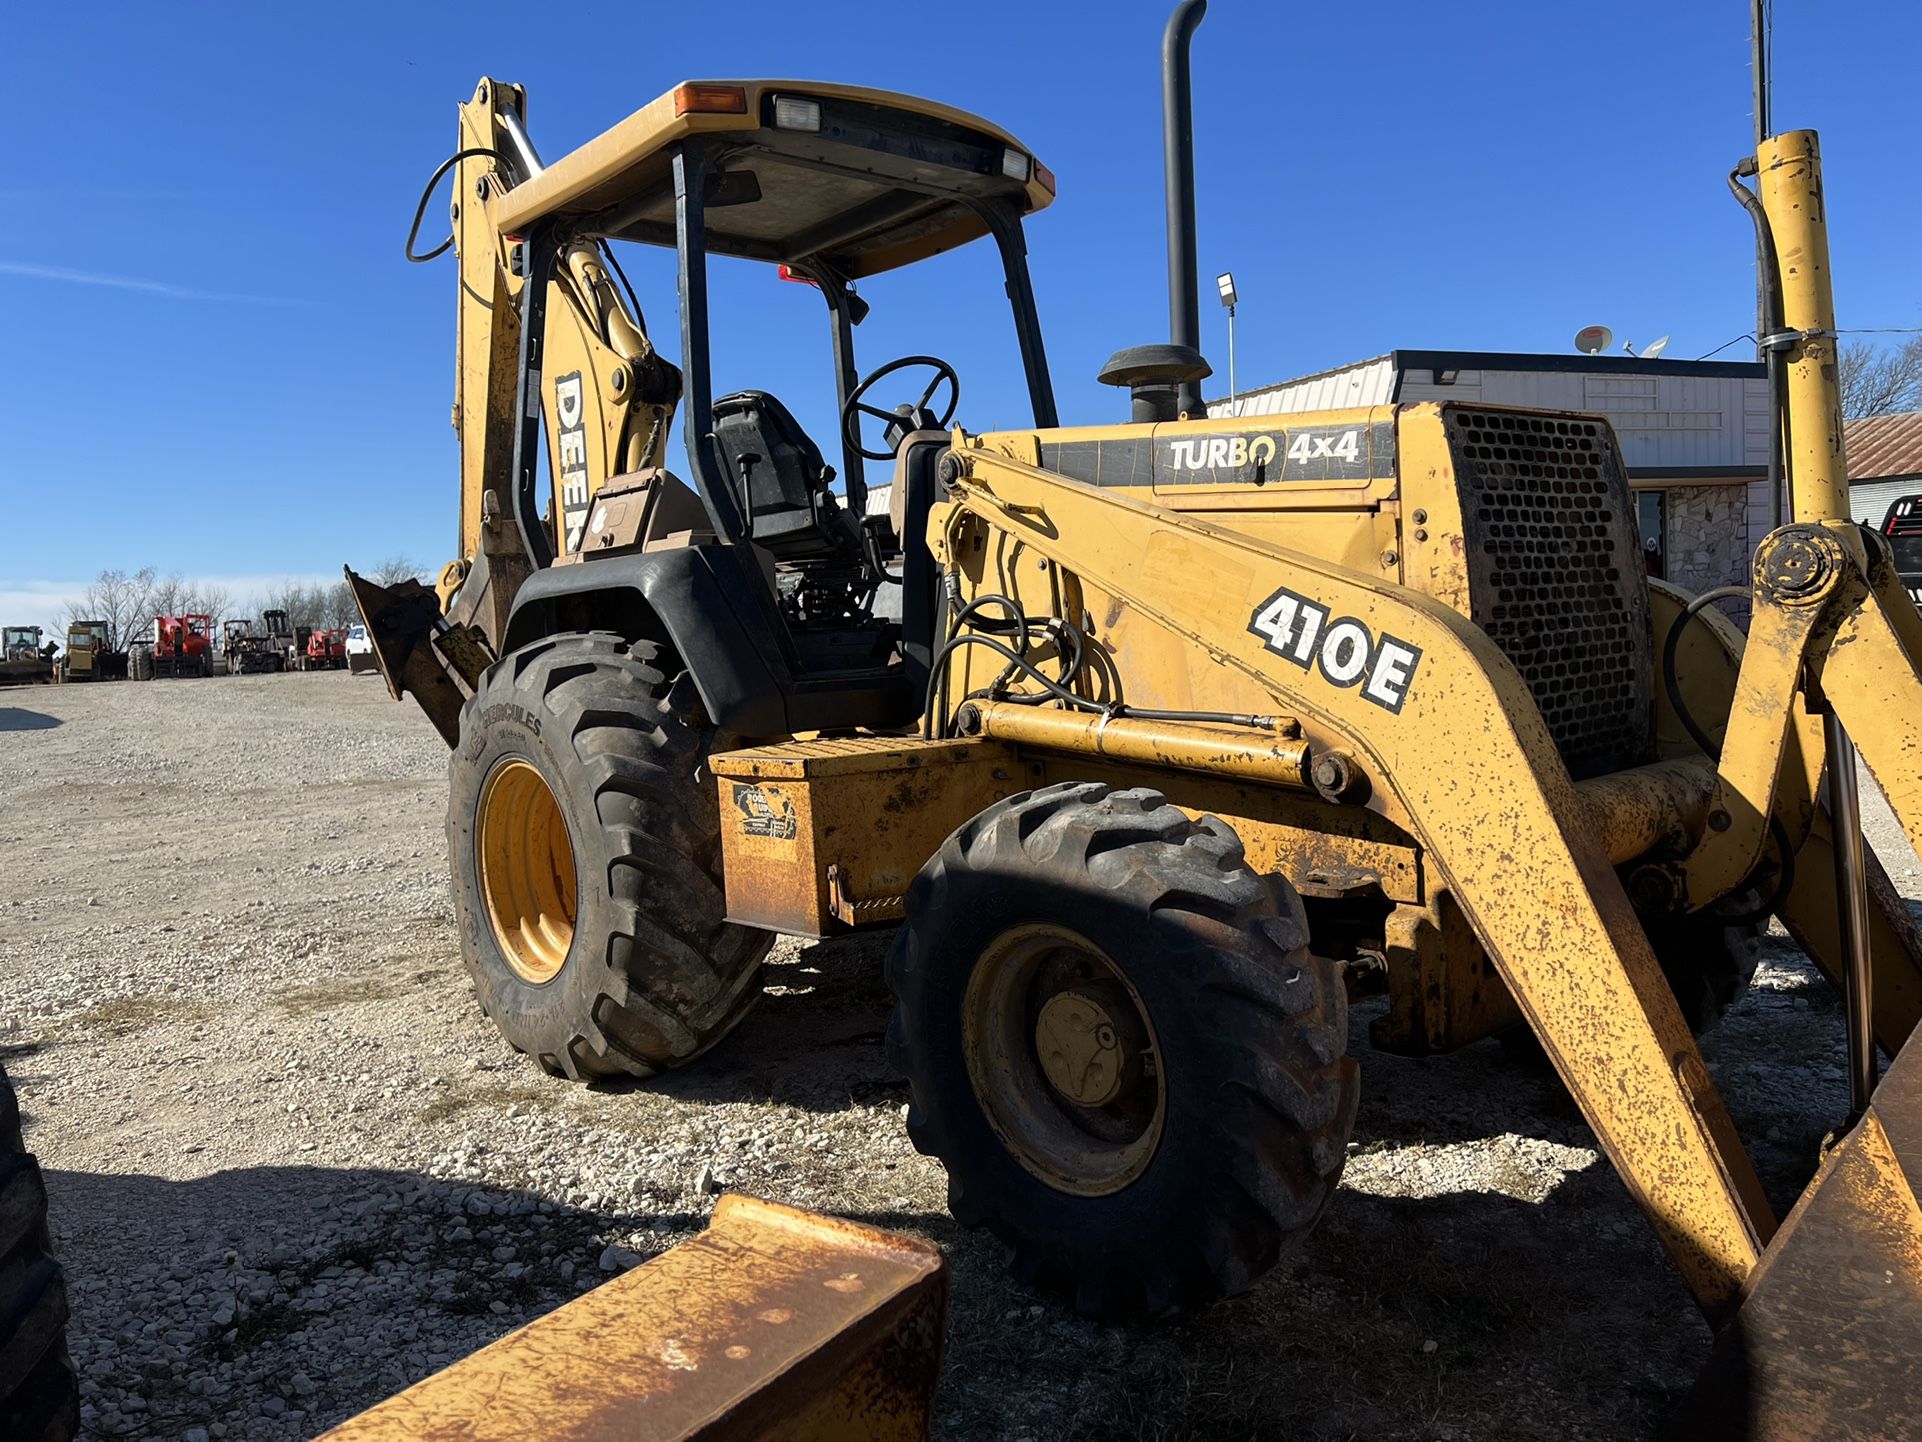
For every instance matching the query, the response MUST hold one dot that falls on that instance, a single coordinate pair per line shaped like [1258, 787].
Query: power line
[1725, 345]
[1839, 330]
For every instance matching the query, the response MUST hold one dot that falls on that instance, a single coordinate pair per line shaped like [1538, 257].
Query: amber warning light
[694, 98]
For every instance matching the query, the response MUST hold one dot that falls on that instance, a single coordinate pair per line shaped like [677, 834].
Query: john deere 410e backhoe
[1156, 740]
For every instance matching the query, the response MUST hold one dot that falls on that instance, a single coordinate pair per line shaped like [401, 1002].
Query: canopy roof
[885, 179]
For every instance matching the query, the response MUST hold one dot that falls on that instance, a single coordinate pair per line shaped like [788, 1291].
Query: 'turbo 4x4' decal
[1345, 651]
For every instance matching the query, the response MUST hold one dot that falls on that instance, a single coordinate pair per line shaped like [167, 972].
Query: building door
[1651, 522]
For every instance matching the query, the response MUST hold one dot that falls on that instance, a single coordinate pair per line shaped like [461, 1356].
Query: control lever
[747, 463]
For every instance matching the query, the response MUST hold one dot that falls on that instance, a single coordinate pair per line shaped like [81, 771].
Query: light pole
[1226, 283]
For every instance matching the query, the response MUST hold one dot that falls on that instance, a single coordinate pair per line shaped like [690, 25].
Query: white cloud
[44, 603]
[30, 271]
[37, 603]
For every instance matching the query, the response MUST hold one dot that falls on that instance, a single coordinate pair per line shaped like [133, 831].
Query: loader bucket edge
[774, 1322]
[1825, 1342]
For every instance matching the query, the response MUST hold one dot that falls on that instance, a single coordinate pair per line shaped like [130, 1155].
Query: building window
[1651, 521]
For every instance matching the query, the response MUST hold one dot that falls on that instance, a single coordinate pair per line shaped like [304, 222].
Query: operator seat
[777, 471]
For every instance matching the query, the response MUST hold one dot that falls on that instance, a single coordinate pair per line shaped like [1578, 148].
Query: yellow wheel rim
[527, 879]
[1063, 1059]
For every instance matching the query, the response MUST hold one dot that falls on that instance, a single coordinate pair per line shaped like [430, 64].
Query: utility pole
[1759, 84]
[1225, 282]
[1759, 87]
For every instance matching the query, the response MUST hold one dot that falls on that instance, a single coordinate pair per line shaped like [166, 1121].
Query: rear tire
[1241, 1029]
[644, 972]
[140, 664]
[39, 1394]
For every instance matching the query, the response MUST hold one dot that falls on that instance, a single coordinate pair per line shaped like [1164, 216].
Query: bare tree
[178, 596]
[396, 568]
[340, 608]
[211, 597]
[305, 605]
[1878, 381]
[125, 602]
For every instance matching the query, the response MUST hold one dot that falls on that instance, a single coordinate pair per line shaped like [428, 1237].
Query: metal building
[1885, 463]
[1694, 434]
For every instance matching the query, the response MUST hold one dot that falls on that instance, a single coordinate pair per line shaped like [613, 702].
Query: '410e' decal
[1345, 651]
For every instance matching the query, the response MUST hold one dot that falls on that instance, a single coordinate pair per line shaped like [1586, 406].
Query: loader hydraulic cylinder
[1278, 757]
[1790, 168]
[1791, 183]
[1852, 903]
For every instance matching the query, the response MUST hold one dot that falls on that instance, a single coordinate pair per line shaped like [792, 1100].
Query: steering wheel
[915, 417]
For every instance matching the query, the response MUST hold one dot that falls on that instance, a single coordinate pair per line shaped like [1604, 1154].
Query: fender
[696, 599]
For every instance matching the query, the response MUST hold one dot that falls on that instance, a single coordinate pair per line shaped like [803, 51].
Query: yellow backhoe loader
[1157, 740]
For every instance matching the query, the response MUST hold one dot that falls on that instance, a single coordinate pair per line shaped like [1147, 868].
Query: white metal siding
[1367, 383]
[1664, 418]
[1869, 502]
[1668, 421]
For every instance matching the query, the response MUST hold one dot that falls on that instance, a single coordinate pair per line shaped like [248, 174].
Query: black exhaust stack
[1164, 381]
[1178, 158]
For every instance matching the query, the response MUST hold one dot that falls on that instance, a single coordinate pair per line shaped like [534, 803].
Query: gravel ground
[293, 1168]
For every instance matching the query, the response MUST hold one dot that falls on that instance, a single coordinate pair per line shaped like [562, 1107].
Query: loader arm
[1414, 682]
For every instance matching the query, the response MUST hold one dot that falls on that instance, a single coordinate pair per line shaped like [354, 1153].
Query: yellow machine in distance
[90, 654]
[1160, 741]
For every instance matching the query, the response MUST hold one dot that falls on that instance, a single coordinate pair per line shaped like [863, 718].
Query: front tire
[584, 832]
[1120, 1047]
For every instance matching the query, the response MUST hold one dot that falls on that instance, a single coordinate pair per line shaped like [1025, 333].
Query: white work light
[1226, 281]
[1016, 165]
[791, 112]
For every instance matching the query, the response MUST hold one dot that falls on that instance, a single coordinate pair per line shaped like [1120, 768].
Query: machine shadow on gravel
[319, 1291]
[327, 1289]
[813, 1040]
[18, 718]
[1398, 1318]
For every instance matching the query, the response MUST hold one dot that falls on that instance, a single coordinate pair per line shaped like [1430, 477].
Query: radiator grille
[1556, 577]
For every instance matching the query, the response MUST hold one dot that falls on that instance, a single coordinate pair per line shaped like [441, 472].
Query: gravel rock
[293, 1169]
[618, 1259]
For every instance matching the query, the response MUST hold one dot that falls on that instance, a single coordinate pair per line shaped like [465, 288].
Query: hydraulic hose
[427, 194]
[1052, 689]
[1772, 327]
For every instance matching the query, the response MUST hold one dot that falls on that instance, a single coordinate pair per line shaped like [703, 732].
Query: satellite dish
[1655, 348]
[1594, 339]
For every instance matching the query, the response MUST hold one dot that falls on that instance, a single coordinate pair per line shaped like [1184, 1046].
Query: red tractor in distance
[180, 646]
[326, 651]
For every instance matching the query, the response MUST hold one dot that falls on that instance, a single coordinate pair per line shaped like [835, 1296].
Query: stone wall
[1707, 541]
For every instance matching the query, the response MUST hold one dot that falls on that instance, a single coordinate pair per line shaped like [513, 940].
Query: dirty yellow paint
[772, 1324]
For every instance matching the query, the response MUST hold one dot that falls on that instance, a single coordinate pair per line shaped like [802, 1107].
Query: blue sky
[217, 363]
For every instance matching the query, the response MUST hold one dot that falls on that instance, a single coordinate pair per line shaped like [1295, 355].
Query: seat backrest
[789, 508]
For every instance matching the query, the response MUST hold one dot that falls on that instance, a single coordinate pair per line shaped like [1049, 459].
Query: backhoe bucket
[418, 652]
[1827, 1342]
[773, 1323]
